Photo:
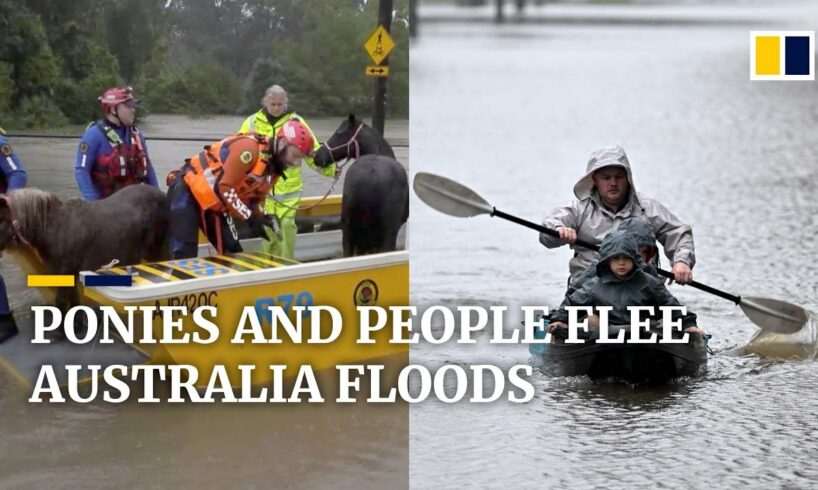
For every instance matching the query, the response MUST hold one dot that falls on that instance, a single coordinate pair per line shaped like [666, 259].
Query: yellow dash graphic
[50, 281]
[768, 55]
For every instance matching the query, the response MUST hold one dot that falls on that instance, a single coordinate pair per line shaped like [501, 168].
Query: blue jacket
[94, 144]
[14, 175]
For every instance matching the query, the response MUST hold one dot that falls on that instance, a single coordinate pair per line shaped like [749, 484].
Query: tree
[191, 56]
[136, 36]
[31, 66]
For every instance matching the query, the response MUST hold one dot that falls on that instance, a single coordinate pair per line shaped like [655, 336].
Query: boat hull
[637, 363]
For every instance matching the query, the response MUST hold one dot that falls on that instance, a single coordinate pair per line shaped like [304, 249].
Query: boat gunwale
[152, 292]
[692, 351]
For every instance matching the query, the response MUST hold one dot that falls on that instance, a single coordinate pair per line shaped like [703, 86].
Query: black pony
[352, 139]
[73, 235]
[376, 190]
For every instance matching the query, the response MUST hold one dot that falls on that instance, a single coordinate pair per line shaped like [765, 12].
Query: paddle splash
[802, 344]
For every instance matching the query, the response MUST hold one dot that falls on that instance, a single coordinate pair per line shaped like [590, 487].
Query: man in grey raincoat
[605, 196]
[621, 283]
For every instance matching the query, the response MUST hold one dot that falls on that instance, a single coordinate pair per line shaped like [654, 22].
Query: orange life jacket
[203, 172]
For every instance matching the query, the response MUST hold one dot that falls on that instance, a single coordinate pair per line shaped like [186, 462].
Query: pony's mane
[32, 208]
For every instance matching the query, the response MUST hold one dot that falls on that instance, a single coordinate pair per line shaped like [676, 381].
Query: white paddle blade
[449, 197]
[774, 315]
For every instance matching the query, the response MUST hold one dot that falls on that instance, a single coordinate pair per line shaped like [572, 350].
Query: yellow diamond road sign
[377, 71]
[379, 45]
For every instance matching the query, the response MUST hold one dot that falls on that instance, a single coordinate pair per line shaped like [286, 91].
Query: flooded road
[513, 112]
[207, 446]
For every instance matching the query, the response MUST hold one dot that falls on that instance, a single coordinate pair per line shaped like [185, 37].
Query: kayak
[653, 363]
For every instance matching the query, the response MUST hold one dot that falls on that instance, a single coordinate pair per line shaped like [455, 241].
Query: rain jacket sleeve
[329, 170]
[579, 297]
[150, 176]
[245, 126]
[675, 236]
[587, 275]
[565, 216]
[12, 167]
[663, 297]
[234, 171]
[87, 151]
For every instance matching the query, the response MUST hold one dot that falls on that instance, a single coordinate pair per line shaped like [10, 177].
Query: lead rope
[204, 230]
[338, 168]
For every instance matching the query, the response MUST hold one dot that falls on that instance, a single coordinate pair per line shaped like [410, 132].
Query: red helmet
[297, 134]
[115, 96]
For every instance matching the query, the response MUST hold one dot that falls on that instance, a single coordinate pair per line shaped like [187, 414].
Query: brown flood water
[133, 445]
[524, 104]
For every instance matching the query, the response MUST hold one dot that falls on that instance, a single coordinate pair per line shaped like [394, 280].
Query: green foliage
[195, 90]
[88, 68]
[38, 111]
[192, 56]
[30, 64]
[6, 87]
[321, 67]
[321, 63]
[136, 35]
[25, 48]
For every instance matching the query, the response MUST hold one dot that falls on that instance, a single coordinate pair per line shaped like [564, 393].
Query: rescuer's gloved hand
[271, 221]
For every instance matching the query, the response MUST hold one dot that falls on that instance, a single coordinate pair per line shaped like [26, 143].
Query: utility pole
[379, 114]
[413, 18]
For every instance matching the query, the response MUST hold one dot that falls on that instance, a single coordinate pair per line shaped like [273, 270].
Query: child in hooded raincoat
[641, 231]
[621, 281]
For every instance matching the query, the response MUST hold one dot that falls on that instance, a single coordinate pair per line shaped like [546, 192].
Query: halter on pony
[15, 226]
[351, 141]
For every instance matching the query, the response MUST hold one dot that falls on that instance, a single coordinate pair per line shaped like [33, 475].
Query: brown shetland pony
[72, 235]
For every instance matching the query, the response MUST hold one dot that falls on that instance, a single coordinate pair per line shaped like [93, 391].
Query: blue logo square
[796, 55]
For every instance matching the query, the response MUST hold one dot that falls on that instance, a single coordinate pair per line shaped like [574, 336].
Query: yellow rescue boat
[319, 276]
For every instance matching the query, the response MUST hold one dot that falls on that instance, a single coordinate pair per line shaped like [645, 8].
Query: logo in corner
[782, 55]
[246, 157]
[366, 293]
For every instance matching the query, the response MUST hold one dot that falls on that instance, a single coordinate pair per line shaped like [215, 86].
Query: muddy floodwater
[513, 111]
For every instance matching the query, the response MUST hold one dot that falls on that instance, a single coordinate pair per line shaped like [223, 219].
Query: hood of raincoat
[607, 156]
[639, 229]
[615, 243]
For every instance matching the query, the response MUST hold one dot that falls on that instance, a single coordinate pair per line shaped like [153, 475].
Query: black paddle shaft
[591, 246]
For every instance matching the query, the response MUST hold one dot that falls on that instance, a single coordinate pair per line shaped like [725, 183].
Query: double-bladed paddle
[455, 199]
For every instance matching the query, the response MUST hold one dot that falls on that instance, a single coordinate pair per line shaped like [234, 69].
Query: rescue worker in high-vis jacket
[229, 179]
[285, 198]
[13, 176]
[112, 153]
